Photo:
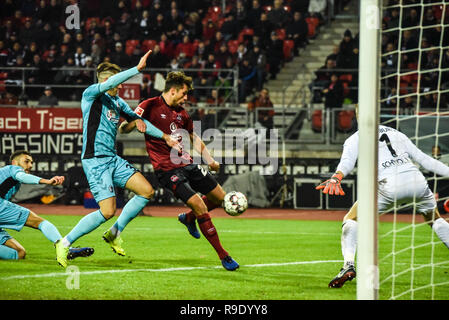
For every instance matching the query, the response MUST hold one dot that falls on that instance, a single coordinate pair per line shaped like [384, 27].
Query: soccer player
[102, 108]
[15, 217]
[176, 170]
[399, 182]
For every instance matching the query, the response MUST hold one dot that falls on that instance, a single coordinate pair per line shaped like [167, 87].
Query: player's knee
[149, 193]
[108, 213]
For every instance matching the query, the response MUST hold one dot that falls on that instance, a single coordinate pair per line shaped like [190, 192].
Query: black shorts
[187, 181]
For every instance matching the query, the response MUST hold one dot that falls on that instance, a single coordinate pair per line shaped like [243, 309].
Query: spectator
[144, 26]
[334, 94]
[297, 30]
[125, 25]
[119, 57]
[216, 42]
[258, 59]
[346, 56]
[15, 53]
[87, 76]
[9, 99]
[247, 74]
[264, 116]
[174, 20]
[389, 62]
[407, 106]
[335, 53]
[4, 54]
[240, 14]
[156, 10]
[34, 76]
[229, 28]
[27, 33]
[193, 25]
[202, 52]
[222, 54]
[30, 52]
[63, 55]
[225, 79]
[96, 54]
[276, 49]
[166, 46]
[47, 37]
[253, 16]
[147, 89]
[158, 27]
[278, 16]
[241, 52]
[48, 99]
[79, 57]
[263, 29]
[210, 29]
[158, 59]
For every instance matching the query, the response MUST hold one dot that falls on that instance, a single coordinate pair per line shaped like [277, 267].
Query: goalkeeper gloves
[333, 185]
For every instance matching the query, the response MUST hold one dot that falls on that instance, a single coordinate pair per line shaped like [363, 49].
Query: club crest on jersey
[139, 111]
[173, 127]
[178, 117]
[174, 178]
[163, 116]
[112, 116]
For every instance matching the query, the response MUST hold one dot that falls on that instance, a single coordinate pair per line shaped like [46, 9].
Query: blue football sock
[49, 231]
[8, 253]
[85, 225]
[129, 212]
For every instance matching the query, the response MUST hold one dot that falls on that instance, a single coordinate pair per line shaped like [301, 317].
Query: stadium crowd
[256, 36]
[421, 61]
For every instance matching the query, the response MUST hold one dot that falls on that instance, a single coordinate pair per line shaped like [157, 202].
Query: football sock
[349, 241]
[441, 228]
[87, 224]
[210, 206]
[208, 230]
[129, 212]
[49, 231]
[7, 253]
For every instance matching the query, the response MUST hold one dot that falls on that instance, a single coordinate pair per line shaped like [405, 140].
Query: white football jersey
[397, 154]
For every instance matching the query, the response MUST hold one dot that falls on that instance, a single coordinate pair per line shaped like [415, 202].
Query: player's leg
[427, 206]
[213, 200]
[348, 248]
[99, 176]
[47, 228]
[10, 249]
[143, 190]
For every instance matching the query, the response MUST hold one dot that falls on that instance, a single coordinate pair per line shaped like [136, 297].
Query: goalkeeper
[399, 182]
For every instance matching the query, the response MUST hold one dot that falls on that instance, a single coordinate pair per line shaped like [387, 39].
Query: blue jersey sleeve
[26, 178]
[93, 91]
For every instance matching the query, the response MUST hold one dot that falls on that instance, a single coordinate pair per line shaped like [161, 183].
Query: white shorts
[406, 188]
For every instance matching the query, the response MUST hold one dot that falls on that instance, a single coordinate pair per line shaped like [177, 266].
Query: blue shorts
[105, 173]
[12, 216]
[4, 236]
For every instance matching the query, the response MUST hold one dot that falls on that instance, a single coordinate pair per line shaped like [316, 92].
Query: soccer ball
[235, 203]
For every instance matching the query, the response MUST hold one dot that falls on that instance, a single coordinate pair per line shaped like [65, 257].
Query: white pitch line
[64, 274]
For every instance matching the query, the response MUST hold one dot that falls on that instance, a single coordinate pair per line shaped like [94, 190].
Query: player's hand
[143, 61]
[140, 125]
[333, 185]
[214, 166]
[172, 142]
[56, 180]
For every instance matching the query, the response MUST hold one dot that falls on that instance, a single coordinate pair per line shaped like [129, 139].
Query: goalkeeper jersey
[397, 154]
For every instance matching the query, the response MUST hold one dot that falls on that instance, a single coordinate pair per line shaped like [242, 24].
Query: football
[235, 203]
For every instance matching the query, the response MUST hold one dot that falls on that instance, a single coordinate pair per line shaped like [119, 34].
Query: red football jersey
[174, 121]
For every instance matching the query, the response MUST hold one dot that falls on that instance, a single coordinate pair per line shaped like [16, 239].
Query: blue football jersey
[9, 184]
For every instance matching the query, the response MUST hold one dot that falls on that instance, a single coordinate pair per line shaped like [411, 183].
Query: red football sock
[210, 206]
[208, 230]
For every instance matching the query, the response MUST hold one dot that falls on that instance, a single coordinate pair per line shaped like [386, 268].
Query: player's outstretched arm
[32, 179]
[123, 76]
[332, 186]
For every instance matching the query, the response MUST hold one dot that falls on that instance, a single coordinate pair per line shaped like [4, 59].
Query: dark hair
[17, 154]
[177, 79]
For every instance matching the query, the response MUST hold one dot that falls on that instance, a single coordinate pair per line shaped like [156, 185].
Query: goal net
[414, 97]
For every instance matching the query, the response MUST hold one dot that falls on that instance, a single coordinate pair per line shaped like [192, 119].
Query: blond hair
[106, 70]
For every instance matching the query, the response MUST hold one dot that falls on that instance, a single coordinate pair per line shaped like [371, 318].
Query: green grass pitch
[279, 260]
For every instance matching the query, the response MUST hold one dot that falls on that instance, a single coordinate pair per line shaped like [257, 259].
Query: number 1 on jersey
[384, 138]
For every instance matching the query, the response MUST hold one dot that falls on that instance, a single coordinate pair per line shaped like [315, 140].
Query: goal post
[368, 119]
